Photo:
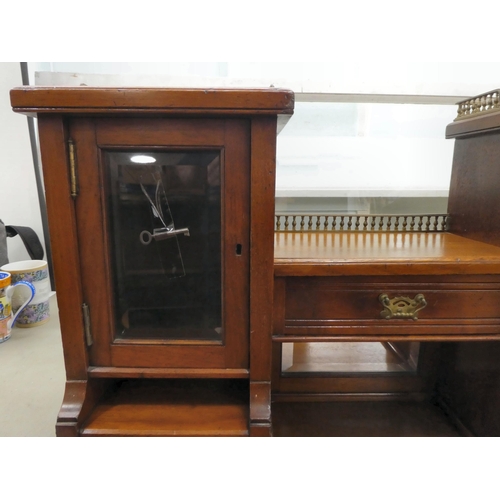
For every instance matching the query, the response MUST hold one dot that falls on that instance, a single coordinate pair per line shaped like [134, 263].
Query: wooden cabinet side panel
[469, 385]
[262, 189]
[263, 166]
[64, 242]
[475, 184]
[236, 229]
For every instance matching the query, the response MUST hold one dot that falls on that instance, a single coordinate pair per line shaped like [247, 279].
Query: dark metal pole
[39, 181]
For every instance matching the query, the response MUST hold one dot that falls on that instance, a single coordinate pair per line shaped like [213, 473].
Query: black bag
[29, 237]
[4, 259]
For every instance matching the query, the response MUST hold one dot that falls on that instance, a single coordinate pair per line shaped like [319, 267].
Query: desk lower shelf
[362, 419]
[146, 408]
[171, 408]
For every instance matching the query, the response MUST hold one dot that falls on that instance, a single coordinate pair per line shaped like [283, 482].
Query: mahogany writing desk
[372, 312]
[161, 204]
[364, 318]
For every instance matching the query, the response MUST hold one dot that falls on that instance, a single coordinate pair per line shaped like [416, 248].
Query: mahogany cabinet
[161, 207]
[187, 308]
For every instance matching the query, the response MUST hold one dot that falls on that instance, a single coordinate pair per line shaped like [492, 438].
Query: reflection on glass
[349, 357]
[165, 225]
[364, 158]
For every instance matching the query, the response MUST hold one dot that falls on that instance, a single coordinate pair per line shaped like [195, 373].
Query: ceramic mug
[37, 312]
[7, 318]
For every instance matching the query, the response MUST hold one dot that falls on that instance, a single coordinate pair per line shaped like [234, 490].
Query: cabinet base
[168, 408]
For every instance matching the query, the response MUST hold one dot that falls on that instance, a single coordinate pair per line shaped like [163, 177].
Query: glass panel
[364, 158]
[164, 211]
[349, 357]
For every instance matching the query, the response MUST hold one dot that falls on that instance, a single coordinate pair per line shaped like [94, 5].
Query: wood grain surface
[270, 101]
[381, 253]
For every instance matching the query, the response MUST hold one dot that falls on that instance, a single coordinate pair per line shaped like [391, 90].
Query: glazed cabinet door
[163, 226]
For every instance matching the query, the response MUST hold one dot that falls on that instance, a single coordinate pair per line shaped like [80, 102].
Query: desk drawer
[402, 306]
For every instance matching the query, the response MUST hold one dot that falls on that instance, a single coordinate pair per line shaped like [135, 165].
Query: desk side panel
[475, 187]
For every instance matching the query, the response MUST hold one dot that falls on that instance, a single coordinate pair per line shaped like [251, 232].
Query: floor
[32, 378]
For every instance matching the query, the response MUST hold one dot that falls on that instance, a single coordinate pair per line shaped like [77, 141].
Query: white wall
[19, 203]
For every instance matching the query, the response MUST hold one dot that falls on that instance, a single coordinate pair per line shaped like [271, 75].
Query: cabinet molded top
[104, 100]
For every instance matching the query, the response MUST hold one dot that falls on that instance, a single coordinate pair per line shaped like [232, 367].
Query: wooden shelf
[341, 358]
[171, 408]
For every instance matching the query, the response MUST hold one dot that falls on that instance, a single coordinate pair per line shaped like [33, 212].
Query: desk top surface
[381, 253]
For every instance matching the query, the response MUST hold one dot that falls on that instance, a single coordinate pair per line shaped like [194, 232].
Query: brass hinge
[86, 324]
[73, 169]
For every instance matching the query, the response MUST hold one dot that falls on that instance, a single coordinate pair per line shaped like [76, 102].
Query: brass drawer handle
[401, 307]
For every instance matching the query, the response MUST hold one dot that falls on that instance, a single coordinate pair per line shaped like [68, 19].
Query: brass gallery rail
[374, 222]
